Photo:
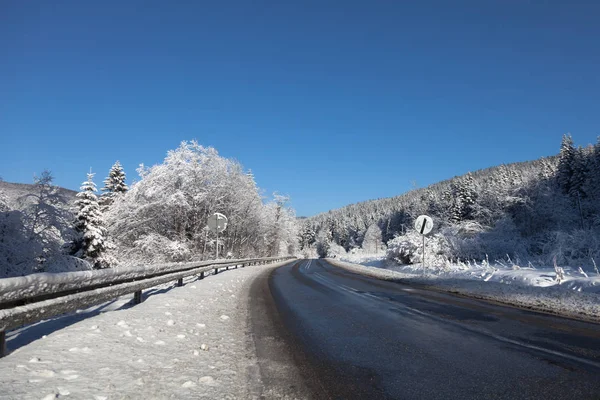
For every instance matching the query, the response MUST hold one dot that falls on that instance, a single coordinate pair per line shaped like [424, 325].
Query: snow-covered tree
[322, 244]
[282, 234]
[307, 236]
[89, 223]
[44, 216]
[163, 216]
[3, 202]
[373, 241]
[592, 187]
[464, 197]
[579, 168]
[566, 159]
[114, 184]
[42, 212]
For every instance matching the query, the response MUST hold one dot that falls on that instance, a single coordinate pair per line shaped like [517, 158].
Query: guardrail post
[2, 344]
[227, 268]
[137, 297]
[216, 270]
[202, 275]
[180, 282]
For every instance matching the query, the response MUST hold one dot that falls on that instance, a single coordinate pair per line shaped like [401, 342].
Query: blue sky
[330, 102]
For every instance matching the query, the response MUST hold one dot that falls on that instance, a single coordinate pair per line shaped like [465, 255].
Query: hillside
[527, 212]
[18, 194]
[35, 221]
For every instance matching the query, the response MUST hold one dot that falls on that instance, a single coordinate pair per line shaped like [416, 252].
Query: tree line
[528, 212]
[162, 217]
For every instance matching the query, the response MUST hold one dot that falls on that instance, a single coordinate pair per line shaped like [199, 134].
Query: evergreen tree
[592, 187]
[114, 184]
[307, 236]
[579, 169]
[90, 225]
[565, 163]
[464, 197]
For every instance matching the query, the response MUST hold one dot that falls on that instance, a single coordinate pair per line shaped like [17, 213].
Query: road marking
[507, 340]
[307, 265]
[330, 283]
[410, 310]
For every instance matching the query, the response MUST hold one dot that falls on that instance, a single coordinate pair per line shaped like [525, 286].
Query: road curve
[371, 339]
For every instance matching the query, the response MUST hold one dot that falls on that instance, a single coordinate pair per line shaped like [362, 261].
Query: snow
[532, 288]
[176, 344]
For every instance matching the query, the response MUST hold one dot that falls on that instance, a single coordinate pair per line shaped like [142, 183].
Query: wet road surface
[363, 338]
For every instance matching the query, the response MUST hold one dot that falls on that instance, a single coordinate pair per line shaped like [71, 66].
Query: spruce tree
[90, 225]
[593, 182]
[113, 184]
[464, 197]
[579, 168]
[566, 159]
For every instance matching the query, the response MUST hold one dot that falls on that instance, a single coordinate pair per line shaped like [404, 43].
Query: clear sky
[331, 102]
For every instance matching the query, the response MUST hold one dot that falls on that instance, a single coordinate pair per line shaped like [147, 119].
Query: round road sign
[423, 224]
[217, 222]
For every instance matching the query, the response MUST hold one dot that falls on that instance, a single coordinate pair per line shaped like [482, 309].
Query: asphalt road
[355, 337]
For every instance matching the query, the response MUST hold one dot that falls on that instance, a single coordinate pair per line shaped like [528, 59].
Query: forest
[162, 217]
[528, 213]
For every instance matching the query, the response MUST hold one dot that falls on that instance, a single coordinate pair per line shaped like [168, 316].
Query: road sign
[423, 224]
[217, 222]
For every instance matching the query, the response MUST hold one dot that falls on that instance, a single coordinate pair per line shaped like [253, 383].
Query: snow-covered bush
[469, 240]
[336, 250]
[153, 248]
[560, 272]
[579, 247]
[408, 249]
[404, 250]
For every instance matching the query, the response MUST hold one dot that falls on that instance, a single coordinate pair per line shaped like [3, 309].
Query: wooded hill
[526, 212]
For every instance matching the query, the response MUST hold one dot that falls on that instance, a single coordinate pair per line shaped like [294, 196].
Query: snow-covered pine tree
[89, 224]
[565, 163]
[307, 236]
[113, 184]
[592, 187]
[579, 169]
[464, 196]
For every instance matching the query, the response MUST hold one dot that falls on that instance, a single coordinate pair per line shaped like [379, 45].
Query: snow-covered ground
[181, 342]
[534, 288]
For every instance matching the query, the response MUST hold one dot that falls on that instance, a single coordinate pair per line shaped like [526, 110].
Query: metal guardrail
[32, 298]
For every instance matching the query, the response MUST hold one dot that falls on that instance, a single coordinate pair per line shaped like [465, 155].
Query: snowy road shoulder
[188, 342]
[553, 300]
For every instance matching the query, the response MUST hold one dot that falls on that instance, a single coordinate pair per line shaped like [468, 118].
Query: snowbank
[181, 342]
[535, 289]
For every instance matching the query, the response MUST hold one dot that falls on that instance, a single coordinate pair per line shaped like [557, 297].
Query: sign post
[217, 223]
[423, 225]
